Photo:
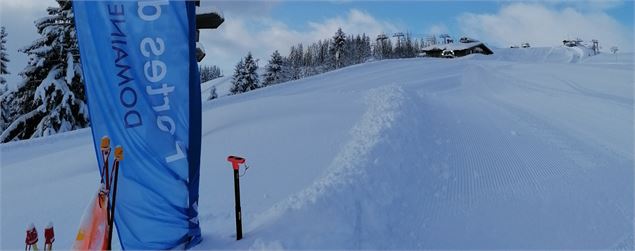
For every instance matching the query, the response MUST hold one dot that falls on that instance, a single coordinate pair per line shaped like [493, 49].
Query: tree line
[319, 57]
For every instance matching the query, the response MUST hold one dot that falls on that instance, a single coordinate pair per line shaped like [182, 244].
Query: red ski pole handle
[31, 236]
[49, 235]
[236, 161]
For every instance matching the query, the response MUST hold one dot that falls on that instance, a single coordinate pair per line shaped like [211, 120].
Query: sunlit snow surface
[523, 149]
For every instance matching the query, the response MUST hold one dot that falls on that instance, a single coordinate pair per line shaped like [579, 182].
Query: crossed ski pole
[109, 179]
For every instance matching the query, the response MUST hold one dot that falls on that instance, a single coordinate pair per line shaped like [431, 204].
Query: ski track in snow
[348, 165]
[527, 149]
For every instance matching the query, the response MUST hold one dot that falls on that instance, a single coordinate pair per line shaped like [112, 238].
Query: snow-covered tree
[337, 48]
[237, 78]
[5, 110]
[245, 77]
[212, 93]
[51, 98]
[387, 49]
[4, 88]
[274, 72]
[363, 49]
[4, 58]
[209, 73]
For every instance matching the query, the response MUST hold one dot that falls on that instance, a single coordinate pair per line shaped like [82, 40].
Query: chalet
[464, 47]
[572, 43]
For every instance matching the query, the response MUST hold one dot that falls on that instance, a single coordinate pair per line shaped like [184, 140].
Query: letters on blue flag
[143, 92]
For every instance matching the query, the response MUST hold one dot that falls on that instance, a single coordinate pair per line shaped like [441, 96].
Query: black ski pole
[118, 158]
[236, 161]
[239, 218]
[105, 177]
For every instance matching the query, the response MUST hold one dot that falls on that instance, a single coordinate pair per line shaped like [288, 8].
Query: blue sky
[264, 26]
[415, 16]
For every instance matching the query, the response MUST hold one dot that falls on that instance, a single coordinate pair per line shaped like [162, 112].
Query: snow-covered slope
[468, 153]
[222, 84]
[557, 54]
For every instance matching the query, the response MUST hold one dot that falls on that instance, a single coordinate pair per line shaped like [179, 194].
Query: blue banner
[143, 90]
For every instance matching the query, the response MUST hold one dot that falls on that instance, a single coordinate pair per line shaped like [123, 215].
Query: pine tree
[3, 56]
[409, 50]
[51, 98]
[296, 61]
[4, 88]
[216, 72]
[387, 49]
[208, 73]
[245, 77]
[5, 111]
[205, 73]
[337, 48]
[274, 70]
[237, 78]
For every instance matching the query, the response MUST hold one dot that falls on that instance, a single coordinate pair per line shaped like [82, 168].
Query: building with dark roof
[466, 46]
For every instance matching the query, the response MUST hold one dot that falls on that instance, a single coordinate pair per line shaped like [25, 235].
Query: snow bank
[557, 54]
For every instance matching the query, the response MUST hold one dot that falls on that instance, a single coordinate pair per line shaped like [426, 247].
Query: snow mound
[558, 54]
[615, 60]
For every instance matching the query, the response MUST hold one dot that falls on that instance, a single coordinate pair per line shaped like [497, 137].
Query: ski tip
[119, 153]
[105, 142]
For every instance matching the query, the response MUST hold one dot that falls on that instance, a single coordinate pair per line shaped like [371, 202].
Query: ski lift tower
[578, 41]
[446, 38]
[206, 19]
[381, 37]
[595, 46]
[380, 43]
[398, 35]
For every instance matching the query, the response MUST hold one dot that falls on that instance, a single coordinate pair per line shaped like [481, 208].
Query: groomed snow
[472, 153]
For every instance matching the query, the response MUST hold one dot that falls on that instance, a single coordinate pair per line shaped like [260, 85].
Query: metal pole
[239, 224]
[118, 158]
[114, 200]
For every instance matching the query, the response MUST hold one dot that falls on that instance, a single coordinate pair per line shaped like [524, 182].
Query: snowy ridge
[557, 54]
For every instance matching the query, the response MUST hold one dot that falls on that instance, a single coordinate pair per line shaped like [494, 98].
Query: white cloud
[21, 4]
[543, 26]
[588, 5]
[436, 29]
[356, 22]
[262, 35]
[240, 8]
